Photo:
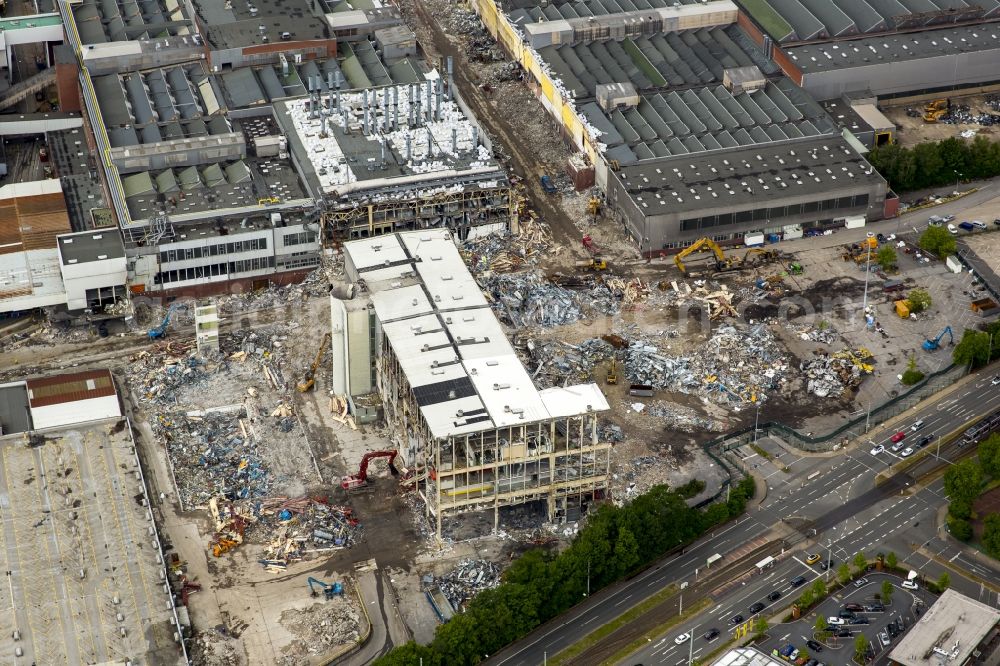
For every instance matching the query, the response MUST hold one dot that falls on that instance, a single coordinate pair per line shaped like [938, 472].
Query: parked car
[884, 637]
[846, 614]
[812, 662]
[860, 619]
[815, 646]
[948, 218]
[736, 619]
[683, 638]
[835, 621]
[892, 630]
[813, 559]
[774, 596]
[797, 581]
[854, 608]
[874, 607]
[917, 425]
[927, 439]
[756, 608]
[908, 451]
[787, 650]
[824, 566]
[844, 632]
[910, 585]
[898, 437]
[997, 221]
[966, 226]
[952, 229]
[877, 450]
[978, 224]
[996, 380]
[861, 582]
[711, 634]
[935, 221]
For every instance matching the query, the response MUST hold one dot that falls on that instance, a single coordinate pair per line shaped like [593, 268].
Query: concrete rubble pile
[467, 579]
[292, 528]
[733, 366]
[557, 363]
[830, 376]
[609, 432]
[679, 417]
[318, 628]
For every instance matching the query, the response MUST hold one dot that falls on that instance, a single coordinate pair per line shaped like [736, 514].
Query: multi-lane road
[824, 504]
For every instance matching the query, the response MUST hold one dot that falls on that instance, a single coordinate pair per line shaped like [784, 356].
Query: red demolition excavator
[360, 480]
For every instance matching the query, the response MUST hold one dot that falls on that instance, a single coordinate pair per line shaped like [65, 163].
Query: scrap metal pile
[734, 365]
[294, 527]
[467, 579]
[528, 299]
[558, 363]
[832, 374]
[507, 252]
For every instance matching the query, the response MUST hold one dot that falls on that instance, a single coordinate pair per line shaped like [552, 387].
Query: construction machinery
[159, 331]
[309, 380]
[795, 268]
[330, 590]
[758, 256]
[902, 308]
[223, 545]
[594, 206]
[934, 111]
[594, 264]
[932, 344]
[360, 480]
[722, 262]
[590, 246]
[612, 377]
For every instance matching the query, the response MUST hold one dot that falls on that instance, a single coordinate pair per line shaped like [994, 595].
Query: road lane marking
[623, 601]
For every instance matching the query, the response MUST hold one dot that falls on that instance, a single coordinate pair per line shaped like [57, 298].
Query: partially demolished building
[473, 428]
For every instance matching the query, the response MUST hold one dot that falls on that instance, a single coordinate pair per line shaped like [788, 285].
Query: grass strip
[603, 631]
[659, 629]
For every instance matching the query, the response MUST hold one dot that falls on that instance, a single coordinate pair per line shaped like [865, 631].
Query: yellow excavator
[722, 262]
[309, 380]
[934, 111]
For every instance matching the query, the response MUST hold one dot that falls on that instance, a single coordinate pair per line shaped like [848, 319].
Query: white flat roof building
[948, 633]
[449, 377]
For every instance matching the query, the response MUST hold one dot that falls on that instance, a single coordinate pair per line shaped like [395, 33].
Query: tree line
[937, 163]
[964, 482]
[977, 348]
[539, 585]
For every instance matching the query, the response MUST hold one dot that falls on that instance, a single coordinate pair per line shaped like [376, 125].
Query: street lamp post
[868, 271]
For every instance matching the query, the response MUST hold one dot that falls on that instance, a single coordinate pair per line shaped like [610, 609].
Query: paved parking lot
[838, 651]
[84, 572]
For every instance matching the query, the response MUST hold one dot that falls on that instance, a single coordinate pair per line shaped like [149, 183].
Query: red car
[898, 437]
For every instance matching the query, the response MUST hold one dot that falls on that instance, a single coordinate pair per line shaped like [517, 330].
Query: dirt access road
[524, 163]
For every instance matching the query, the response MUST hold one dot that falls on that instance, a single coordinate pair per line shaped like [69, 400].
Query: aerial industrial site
[512, 332]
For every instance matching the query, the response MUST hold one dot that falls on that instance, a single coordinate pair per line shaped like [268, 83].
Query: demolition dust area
[84, 566]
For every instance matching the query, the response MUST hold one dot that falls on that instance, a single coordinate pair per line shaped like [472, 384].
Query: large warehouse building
[478, 433]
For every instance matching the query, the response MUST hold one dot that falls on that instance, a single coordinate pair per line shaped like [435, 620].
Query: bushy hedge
[937, 163]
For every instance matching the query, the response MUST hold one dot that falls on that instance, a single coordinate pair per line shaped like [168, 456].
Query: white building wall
[70, 413]
[78, 278]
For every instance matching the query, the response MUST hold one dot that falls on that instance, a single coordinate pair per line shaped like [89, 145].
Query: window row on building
[214, 270]
[300, 238]
[220, 249]
[762, 214]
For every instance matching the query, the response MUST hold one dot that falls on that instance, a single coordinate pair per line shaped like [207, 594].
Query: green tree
[991, 535]
[960, 508]
[919, 300]
[760, 626]
[944, 581]
[960, 528]
[821, 623]
[973, 349]
[938, 241]
[844, 572]
[860, 562]
[930, 166]
[989, 456]
[886, 257]
[912, 375]
[891, 560]
[407, 655]
[860, 646]
[963, 480]
[807, 599]
[887, 591]
[819, 588]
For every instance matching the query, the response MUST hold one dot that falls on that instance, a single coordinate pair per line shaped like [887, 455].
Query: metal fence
[842, 434]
